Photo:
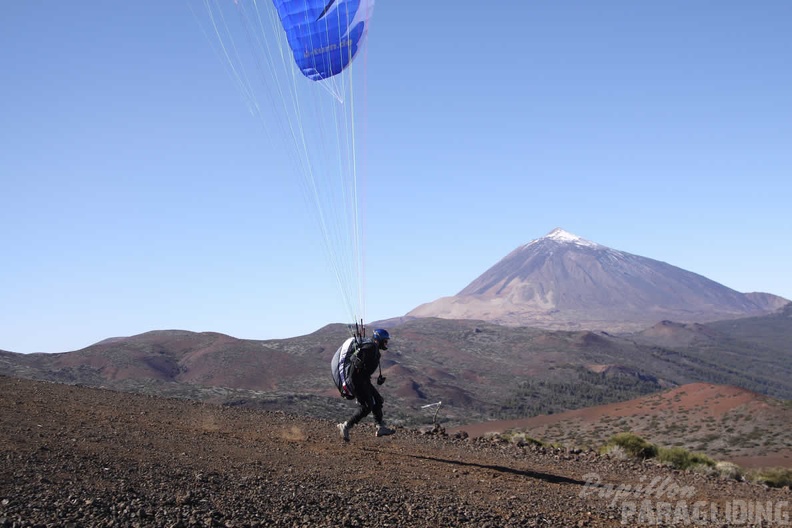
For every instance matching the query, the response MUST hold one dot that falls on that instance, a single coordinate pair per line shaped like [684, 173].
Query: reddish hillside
[728, 423]
[207, 358]
[478, 370]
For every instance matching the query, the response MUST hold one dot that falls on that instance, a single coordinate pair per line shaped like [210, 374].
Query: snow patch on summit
[560, 235]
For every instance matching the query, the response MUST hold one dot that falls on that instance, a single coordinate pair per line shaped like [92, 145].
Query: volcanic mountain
[562, 281]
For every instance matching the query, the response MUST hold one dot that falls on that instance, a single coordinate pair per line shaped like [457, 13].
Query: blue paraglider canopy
[324, 35]
[310, 118]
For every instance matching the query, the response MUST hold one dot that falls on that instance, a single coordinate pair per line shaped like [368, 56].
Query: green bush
[633, 444]
[773, 477]
[681, 458]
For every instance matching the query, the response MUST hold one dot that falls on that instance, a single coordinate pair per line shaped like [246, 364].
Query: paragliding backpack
[342, 366]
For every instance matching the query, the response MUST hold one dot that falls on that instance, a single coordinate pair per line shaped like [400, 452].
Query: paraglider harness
[346, 360]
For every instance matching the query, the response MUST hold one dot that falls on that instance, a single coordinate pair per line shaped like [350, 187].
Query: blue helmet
[381, 337]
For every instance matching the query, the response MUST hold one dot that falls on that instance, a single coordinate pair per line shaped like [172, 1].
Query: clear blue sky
[135, 193]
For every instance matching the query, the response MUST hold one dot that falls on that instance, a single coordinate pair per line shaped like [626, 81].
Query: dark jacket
[365, 361]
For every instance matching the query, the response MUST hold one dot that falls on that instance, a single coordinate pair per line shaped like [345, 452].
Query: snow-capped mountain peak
[563, 236]
[563, 281]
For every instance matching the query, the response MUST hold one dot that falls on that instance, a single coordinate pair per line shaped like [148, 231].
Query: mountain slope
[727, 423]
[562, 281]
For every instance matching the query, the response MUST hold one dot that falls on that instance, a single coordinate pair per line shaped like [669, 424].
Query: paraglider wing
[310, 118]
[324, 35]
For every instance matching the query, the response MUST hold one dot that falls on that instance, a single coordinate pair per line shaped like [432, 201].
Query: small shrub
[632, 444]
[729, 470]
[615, 451]
[773, 477]
[681, 458]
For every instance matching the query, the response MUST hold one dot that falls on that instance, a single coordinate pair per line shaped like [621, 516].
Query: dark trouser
[368, 399]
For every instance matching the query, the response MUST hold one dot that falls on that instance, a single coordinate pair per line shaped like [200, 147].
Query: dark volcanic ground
[73, 456]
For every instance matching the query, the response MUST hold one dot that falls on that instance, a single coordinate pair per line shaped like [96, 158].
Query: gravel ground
[74, 457]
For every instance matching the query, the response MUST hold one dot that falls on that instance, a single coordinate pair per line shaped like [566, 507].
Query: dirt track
[73, 456]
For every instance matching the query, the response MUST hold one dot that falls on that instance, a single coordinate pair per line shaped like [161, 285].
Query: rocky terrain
[75, 456]
[723, 422]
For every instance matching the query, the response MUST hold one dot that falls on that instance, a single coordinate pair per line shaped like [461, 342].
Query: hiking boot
[383, 430]
[343, 430]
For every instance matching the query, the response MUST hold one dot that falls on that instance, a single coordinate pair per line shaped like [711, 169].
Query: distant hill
[562, 281]
[479, 370]
[756, 349]
[727, 423]
[171, 356]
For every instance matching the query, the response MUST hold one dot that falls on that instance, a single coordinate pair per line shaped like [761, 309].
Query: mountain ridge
[479, 370]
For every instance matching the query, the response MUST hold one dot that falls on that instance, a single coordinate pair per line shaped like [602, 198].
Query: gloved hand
[380, 379]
